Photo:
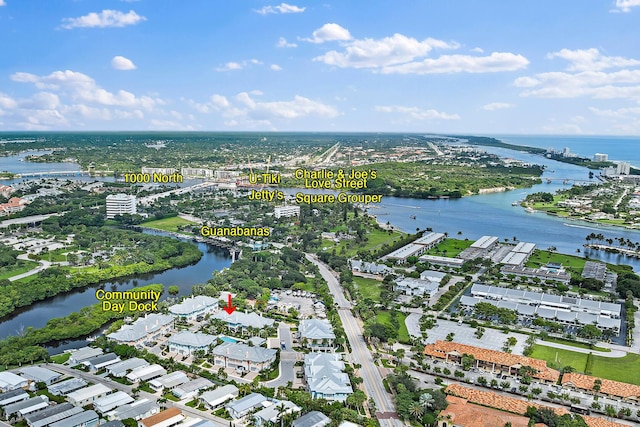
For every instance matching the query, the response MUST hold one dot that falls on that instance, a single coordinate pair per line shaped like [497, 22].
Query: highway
[372, 380]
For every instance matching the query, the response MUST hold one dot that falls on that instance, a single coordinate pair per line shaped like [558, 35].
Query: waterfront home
[243, 357]
[80, 355]
[239, 321]
[146, 328]
[191, 308]
[326, 378]
[189, 342]
[316, 334]
[214, 398]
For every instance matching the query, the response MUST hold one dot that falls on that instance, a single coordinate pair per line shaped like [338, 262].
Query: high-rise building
[600, 157]
[286, 211]
[120, 204]
[623, 168]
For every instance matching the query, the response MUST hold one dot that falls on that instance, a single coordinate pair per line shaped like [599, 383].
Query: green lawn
[576, 344]
[375, 238]
[450, 247]
[384, 317]
[167, 224]
[61, 358]
[540, 258]
[23, 267]
[369, 288]
[624, 369]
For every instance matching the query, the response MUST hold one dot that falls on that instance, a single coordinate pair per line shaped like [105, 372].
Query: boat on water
[412, 216]
[529, 210]
[516, 203]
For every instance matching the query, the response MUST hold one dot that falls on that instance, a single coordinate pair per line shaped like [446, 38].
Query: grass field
[369, 288]
[23, 267]
[61, 358]
[375, 238]
[167, 224]
[384, 317]
[450, 247]
[540, 258]
[624, 369]
[576, 344]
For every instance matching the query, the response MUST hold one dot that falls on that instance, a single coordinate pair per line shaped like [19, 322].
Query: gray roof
[312, 419]
[36, 373]
[52, 414]
[19, 406]
[9, 379]
[66, 387]
[114, 423]
[192, 339]
[203, 423]
[142, 327]
[193, 385]
[12, 393]
[324, 373]
[425, 285]
[240, 351]
[219, 393]
[170, 380]
[78, 419]
[193, 304]
[85, 353]
[111, 401]
[272, 413]
[121, 368]
[246, 403]
[102, 359]
[245, 319]
[134, 410]
[316, 329]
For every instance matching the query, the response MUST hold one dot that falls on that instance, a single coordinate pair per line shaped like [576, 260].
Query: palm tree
[426, 400]
[416, 410]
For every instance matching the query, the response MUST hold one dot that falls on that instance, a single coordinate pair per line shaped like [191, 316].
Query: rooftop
[192, 339]
[316, 329]
[244, 319]
[467, 414]
[193, 305]
[240, 351]
[613, 388]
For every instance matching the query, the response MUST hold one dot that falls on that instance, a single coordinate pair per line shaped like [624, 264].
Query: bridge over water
[51, 173]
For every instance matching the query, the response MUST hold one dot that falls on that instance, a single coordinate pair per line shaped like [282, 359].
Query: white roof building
[146, 373]
[191, 388]
[82, 354]
[13, 396]
[65, 387]
[240, 408]
[410, 286]
[316, 334]
[143, 329]
[214, 398]
[52, 414]
[83, 419]
[112, 401]
[137, 410]
[244, 357]
[89, 394]
[272, 414]
[120, 204]
[11, 381]
[191, 308]
[26, 406]
[121, 369]
[169, 381]
[326, 378]
[240, 319]
[187, 342]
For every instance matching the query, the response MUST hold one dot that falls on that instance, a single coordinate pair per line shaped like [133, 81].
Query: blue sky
[489, 67]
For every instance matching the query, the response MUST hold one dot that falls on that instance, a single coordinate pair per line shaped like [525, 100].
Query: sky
[443, 66]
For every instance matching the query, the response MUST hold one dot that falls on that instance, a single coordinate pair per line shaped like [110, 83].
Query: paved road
[372, 380]
[288, 358]
[43, 266]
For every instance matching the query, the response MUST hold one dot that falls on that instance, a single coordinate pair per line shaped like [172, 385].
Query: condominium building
[120, 204]
[286, 211]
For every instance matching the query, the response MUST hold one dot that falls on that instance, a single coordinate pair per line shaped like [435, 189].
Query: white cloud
[371, 53]
[122, 63]
[497, 106]
[477, 50]
[106, 18]
[232, 66]
[591, 60]
[625, 5]
[2, 3]
[620, 113]
[219, 101]
[329, 32]
[282, 42]
[7, 102]
[79, 86]
[275, 67]
[417, 113]
[281, 8]
[496, 62]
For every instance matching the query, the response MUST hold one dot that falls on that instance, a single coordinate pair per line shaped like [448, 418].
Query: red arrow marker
[230, 308]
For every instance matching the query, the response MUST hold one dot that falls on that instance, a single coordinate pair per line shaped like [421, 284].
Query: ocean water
[625, 148]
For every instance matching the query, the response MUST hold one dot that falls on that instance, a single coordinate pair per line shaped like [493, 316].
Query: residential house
[419, 287]
[121, 369]
[88, 395]
[145, 328]
[169, 381]
[13, 396]
[214, 398]
[83, 419]
[240, 321]
[460, 413]
[20, 409]
[242, 407]
[312, 419]
[316, 334]
[610, 388]
[243, 357]
[167, 418]
[192, 388]
[98, 362]
[137, 410]
[52, 414]
[272, 414]
[11, 381]
[187, 342]
[38, 374]
[112, 401]
[80, 355]
[65, 387]
[146, 373]
[191, 308]
[326, 378]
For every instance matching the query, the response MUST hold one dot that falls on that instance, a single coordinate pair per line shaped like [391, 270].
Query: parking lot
[492, 339]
